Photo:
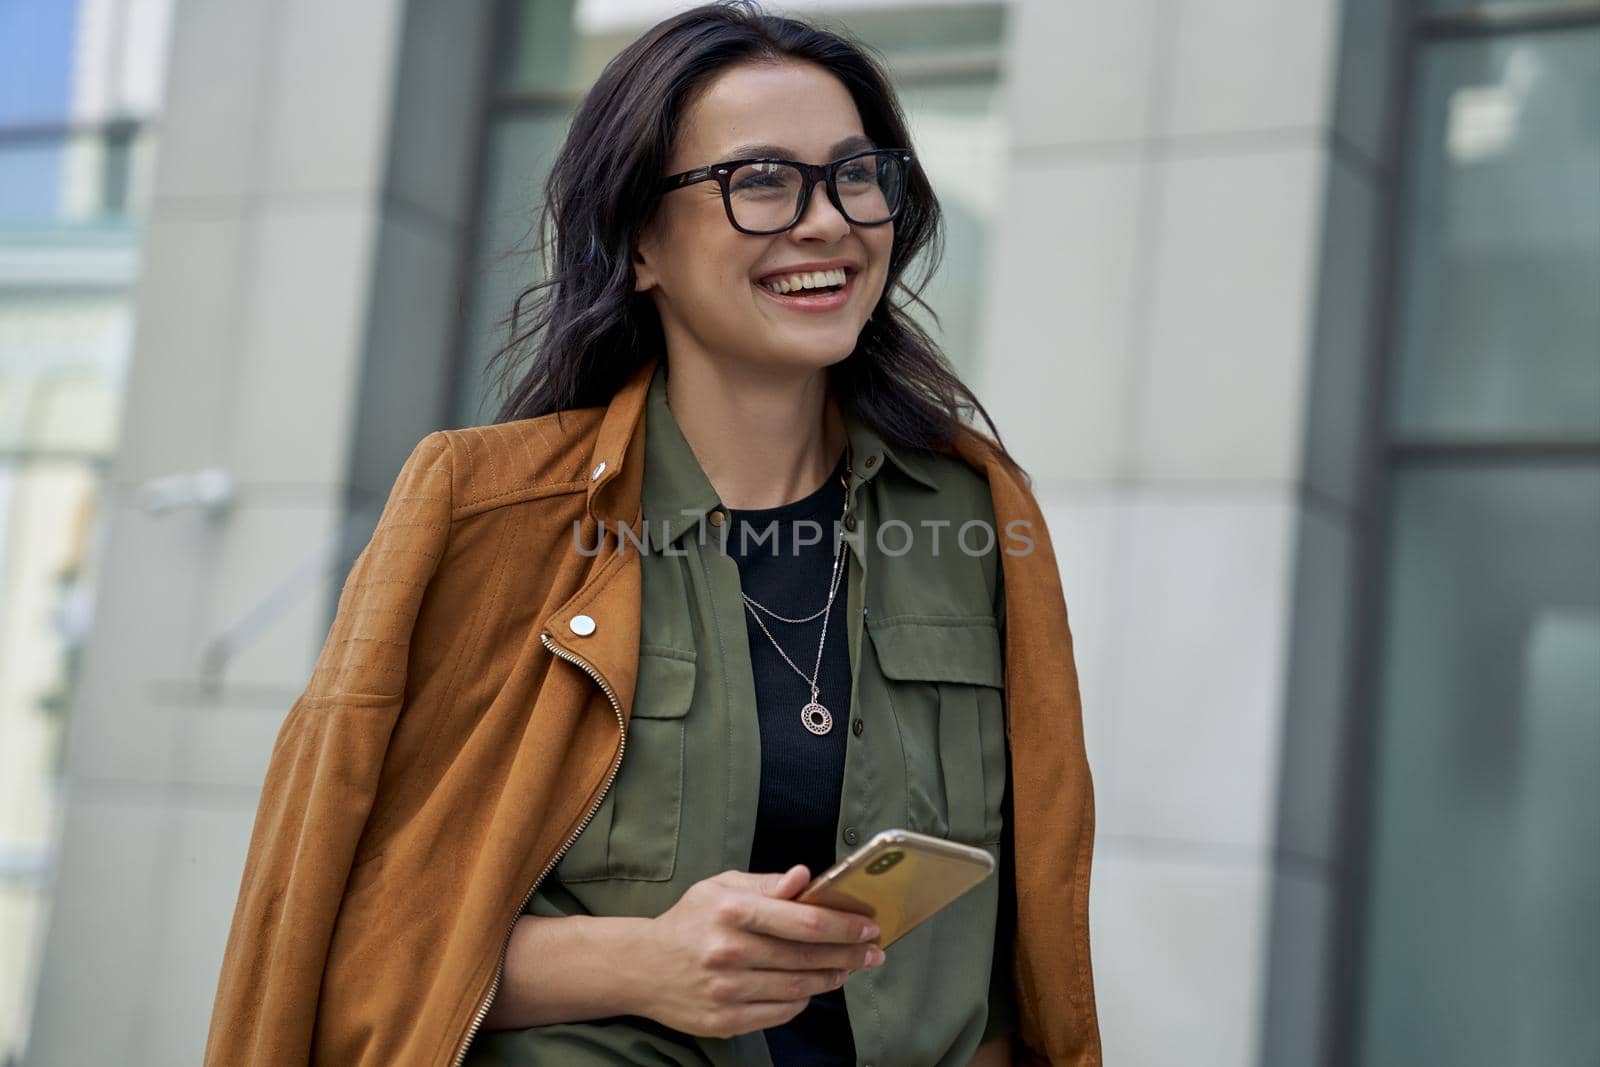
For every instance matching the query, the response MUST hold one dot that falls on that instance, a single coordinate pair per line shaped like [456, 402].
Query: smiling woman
[787, 204]
[649, 753]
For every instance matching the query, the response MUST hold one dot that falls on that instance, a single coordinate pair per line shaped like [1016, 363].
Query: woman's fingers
[807, 922]
[788, 884]
[780, 954]
[758, 903]
[779, 886]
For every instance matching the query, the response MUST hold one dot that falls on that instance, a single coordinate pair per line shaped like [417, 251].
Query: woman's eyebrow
[839, 149]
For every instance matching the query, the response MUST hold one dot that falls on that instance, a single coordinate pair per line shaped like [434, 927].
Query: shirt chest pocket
[943, 680]
[634, 832]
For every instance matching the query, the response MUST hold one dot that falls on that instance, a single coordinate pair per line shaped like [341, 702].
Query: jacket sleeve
[321, 779]
[1053, 799]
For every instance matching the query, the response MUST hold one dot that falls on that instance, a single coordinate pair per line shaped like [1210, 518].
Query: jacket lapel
[599, 624]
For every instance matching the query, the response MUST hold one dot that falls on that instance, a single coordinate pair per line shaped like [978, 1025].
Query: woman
[562, 673]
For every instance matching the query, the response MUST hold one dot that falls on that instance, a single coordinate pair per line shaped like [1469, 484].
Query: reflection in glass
[1499, 333]
[518, 153]
[1482, 946]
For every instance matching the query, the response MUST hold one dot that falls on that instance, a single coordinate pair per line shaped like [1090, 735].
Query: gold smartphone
[898, 879]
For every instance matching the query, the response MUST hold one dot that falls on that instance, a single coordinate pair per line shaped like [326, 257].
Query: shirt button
[850, 835]
[582, 625]
[857, 726]
[849, 522]
[717, 517]
[598, 471]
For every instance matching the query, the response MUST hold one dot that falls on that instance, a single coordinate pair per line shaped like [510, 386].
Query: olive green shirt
[926, 750]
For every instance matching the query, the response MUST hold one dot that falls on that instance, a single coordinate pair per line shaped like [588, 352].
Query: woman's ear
[643, 256]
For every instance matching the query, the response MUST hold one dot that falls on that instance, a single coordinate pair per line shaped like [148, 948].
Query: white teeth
[788, 283]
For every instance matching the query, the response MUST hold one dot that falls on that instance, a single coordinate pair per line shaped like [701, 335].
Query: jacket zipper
[622, 728]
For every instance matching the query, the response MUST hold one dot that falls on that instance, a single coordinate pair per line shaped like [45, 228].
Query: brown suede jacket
[455, 736]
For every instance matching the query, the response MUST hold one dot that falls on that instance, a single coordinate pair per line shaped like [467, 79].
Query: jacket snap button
[582, 625]
[850, 835]
[598, 471]
[717, 517]
[871, 462]
[849, 522]
[857, 726]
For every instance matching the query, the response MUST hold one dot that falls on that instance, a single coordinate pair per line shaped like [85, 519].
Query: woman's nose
[821, 218]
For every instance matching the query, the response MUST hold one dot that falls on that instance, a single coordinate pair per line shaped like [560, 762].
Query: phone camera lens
[884, 862]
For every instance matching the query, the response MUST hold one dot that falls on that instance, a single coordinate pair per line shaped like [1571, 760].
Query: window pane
[534, 48]
[1500, 325]
[519, 152]
[97, 178]
[959, 134]
[1481, 941]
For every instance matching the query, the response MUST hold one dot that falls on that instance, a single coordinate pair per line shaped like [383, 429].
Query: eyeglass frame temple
[811, 174]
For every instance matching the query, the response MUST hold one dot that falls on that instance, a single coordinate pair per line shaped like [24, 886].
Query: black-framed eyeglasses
[768, 195]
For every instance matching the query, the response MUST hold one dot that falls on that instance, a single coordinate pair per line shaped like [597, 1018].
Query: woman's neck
[763, 438]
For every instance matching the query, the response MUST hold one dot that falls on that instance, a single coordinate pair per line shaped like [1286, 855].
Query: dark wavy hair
[590, 331]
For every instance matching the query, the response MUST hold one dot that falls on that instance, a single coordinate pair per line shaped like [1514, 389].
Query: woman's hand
[736, 953]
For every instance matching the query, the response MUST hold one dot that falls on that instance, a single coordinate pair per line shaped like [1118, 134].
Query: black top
[802, 773]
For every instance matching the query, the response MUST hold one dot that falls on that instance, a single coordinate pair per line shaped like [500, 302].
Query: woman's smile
[811, 292]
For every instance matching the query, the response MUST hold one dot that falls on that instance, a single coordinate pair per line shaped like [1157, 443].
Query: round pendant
[816, 718]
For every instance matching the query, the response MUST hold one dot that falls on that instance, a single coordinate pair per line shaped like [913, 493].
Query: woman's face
[706, 277]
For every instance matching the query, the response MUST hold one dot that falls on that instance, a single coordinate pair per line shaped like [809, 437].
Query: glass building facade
[1480, 928]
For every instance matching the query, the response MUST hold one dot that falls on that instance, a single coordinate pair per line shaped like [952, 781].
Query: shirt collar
[868, 451]
[677, 495]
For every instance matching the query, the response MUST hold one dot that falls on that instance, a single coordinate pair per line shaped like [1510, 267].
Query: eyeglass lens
[766, 196]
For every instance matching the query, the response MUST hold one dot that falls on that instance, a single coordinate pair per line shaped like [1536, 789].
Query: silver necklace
[814, 715]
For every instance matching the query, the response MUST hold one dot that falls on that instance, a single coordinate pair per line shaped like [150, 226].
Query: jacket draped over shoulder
[323, 775]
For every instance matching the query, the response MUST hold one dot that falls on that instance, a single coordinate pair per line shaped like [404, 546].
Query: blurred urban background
[1291, 308]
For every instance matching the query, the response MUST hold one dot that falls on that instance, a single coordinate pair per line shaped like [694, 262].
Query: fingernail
[869, 931]
[874, 956]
